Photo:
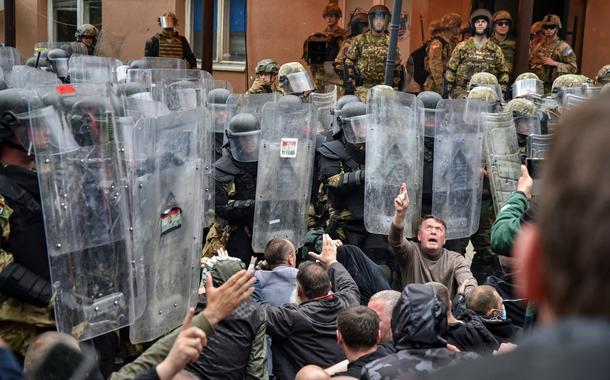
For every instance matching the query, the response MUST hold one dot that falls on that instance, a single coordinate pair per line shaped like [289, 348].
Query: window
[66, 15]
[229, 46]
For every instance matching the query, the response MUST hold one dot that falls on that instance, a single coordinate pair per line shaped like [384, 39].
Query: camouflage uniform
[556, 49]
[466, 60]
[509, 48]
[603, 76]
[340, 63]
[438, 53]
[368, 54]
[317, 70]
[260, 87]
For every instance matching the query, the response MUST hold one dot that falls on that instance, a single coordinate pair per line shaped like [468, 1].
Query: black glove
[353, 178]
[21, 283]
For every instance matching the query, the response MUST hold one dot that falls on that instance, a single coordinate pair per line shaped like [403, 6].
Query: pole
[394, 26]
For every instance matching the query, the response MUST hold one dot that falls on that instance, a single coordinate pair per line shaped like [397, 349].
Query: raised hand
[329, 251]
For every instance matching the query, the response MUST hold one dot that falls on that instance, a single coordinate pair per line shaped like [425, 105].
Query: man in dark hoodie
[419, 326]
[306, 333]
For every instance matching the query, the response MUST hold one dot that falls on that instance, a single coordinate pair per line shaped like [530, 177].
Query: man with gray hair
[383, 303]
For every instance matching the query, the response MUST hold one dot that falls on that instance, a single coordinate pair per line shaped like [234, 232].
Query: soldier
[294, 80]
[475, 55]
[439, 51]
[341, 170]
[603, 76]
[266, 78]
[87, 34]
[484, 79]
[169, 43]
[369, 52]
[552, 57]
[235, 177]
[502, 24]
[324, 46]
[358, 24]
[25, 283]
[527, 85]
[536, 35]
[527, 121]
[220, 112]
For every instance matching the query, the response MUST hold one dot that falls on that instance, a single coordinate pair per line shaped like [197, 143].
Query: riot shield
[573, 101]
[502, 155]
[158, 63]
[91, 69]
[29, 77]
[537, 148]
[285, 164]
[72, 48]
[223, 84]
[94, 271]
[528, 87]
[458, 171]
[251, 103]
[394, 154]
[108, 45]
[165, 170]
[9, 57]
[323, 103]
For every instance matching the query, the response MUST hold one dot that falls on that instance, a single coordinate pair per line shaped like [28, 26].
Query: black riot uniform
[341, 169]
[235, 181]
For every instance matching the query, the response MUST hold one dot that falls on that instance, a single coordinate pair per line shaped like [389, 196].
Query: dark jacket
[472, 336]
[354, 369]
[569, 349]
[419, 328]
[306, 333]
[151, 49]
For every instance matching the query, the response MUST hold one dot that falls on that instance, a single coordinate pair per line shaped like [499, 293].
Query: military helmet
[243, 134]
[168, 20]
[429, 99]
[354, 122]
[218, 96]
[451, 20]
[267, 66]
[484, 94]
[358, 22]
[568, 81]
[482, 78]
[551, 19]
[481, 14]
[521, 106]
[294, 79]
[332, 9]
[603, 75]
[502, 15]
[379, 11]
[526, 75]
[15, 107]
[86, 30]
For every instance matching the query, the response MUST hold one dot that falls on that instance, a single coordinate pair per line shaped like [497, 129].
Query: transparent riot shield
[537, 148]
[109, 45]
[29, 77]
[9, 57]
[251, 103]
[72, 48]
[223, 84]
[528, 87]
[91, 69]
[502, 155]
[458, 171]
[394, 154]
[95, 275]
[323, 103]
[286, 160]
[158, 63]
[165, 170]
[573, 101]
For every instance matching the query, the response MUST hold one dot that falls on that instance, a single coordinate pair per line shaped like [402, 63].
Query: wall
[596, 46]
[31, 25]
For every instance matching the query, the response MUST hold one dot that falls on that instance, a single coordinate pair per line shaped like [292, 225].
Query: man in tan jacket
[427, 261]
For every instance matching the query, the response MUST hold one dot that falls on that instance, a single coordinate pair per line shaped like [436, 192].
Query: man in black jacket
[306, 333]
[169, 43]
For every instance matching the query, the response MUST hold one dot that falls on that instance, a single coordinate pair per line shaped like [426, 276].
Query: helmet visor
[527, 87]
[527, 125]
[167, 22]
[355, 129]
[46, 133]
[244, 145]
[297, 83]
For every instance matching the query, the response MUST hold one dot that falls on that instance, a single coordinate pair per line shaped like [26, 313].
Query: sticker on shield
[288, 148]
[171, 219]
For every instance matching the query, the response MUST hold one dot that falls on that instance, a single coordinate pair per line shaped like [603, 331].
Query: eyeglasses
[503, 23]
[549, 26]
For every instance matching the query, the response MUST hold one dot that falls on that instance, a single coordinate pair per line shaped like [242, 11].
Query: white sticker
[288, 148]
[274, 221]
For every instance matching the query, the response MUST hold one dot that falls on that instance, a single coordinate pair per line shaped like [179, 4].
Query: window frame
[223, 14]
[80, 18]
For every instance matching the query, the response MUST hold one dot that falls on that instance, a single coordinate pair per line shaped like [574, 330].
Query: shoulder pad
[225, 169]
[332, 149]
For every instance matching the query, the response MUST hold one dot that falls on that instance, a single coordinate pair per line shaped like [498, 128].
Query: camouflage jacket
[509, 48]
[368, 54]
[437, 56]
[466, 60]
[260, 87]
[559, 51]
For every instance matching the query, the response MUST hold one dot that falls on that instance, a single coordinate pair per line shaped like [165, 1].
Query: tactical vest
[27, 240]
[243, 175]
[170, 46]
[372, 58]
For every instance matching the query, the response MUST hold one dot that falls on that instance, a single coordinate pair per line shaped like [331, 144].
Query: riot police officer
[235, 177]
[219, 110]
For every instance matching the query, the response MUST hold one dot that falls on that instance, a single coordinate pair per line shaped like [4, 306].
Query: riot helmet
[526, 116]
[243, 135]
[58, 62]
[527, 84]
[354, 122]
[86, 31]
[168, 20]
[429, 99]
[484, 79]
[341, 102]
[294, 79]
[17, 107]
[379, 18]
[219, 109]
[478, 15]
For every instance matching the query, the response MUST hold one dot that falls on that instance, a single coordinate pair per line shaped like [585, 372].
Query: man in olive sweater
[427, 261]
